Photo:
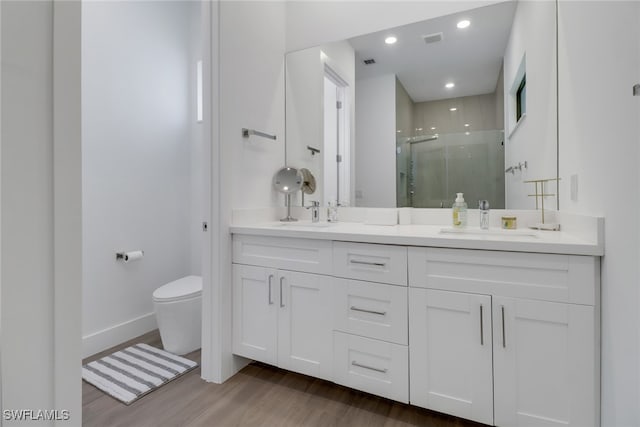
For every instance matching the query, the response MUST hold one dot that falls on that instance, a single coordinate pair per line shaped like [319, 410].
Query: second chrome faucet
[315, 210]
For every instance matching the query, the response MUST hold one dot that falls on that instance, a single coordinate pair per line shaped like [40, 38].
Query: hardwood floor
[259, 395]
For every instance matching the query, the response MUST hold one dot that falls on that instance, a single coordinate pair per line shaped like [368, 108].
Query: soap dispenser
[459, 209]
[483, 207]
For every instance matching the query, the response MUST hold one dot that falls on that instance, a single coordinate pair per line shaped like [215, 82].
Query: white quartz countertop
[520, 240]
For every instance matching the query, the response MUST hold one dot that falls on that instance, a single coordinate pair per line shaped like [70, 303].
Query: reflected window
[521, 98]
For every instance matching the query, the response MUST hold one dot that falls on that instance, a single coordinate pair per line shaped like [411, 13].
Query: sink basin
[491, 232]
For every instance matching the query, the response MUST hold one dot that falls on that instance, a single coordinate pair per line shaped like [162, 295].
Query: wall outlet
[574, 187]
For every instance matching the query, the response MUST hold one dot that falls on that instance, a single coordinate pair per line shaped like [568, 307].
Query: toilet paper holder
[129, 256]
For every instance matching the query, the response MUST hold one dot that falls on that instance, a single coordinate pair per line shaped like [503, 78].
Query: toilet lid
[183, 288]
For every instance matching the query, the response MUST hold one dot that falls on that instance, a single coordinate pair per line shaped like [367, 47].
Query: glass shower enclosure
[431, 169]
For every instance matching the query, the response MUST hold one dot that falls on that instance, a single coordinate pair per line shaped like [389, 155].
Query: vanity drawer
[306, 255]
[371, 309]
[549, 277]
[375, 263]
[377, 367]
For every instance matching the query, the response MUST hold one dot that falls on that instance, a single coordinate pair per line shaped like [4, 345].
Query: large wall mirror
[412, 115]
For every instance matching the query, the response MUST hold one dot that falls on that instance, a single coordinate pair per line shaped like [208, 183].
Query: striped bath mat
[129, 374]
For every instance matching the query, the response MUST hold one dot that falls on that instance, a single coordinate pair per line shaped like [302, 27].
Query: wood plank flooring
[259, 395]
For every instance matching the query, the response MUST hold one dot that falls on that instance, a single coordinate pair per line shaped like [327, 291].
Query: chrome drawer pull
[384, 370]
[364, 310]
[281, 299]
[270, 279]
[377, 264]
[481, 327]
[504, 333]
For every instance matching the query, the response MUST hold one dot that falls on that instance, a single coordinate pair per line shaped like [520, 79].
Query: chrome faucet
[315, 211]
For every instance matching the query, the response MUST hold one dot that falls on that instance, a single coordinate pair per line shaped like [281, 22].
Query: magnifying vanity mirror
[288, 180]
[412, 115]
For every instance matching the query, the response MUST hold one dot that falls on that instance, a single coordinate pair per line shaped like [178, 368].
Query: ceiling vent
[433, 38]
[369, 61]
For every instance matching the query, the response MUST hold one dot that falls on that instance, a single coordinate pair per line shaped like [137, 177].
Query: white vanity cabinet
[521, 324]
[500, 337]
[283, 317]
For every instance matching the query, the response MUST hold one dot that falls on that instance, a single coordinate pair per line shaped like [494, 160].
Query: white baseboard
[117, 334]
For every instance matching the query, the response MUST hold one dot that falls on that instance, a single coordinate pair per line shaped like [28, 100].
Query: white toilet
[178, 307]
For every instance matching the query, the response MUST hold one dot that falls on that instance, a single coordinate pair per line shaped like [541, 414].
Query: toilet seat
[179, 290]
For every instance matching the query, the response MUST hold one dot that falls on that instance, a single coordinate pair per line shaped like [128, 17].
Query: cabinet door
[450, 346]
[305, 324]
[544, 363]
[255, 313]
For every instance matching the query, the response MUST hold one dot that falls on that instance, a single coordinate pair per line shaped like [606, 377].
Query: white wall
[138, 124]
[252, 96]
[599, 62]
[534, 140]
[376, 141]
[1, 71]
[252, 46]
[40, 292]
[67, 207]
[26, 270]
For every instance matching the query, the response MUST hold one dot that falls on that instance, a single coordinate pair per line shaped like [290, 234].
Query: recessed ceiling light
[399, 131]
[453, 109]
[450, 85]
[390, 40]
[419, 129]
[433, 128]
[467, 133]
[463, 24]
[466, 125]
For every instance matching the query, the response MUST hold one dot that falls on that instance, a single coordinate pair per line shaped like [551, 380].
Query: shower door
[431, 170]
[428, 184]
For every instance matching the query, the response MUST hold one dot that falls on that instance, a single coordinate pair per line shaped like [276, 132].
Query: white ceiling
[471, 57]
